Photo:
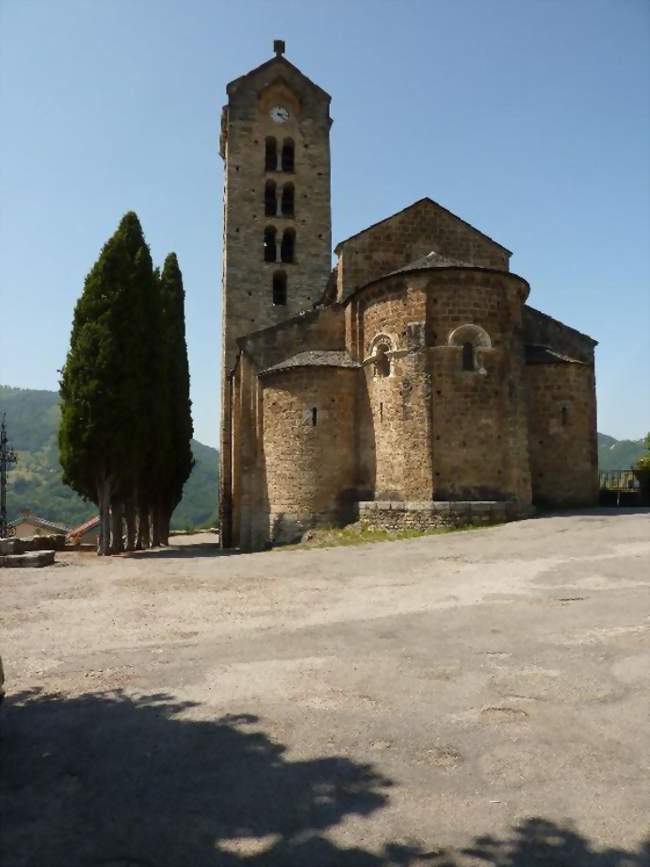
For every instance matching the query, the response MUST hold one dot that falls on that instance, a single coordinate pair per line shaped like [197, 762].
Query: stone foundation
[432, 514]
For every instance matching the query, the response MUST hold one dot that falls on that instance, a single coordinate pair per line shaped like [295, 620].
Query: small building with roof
[27, 524]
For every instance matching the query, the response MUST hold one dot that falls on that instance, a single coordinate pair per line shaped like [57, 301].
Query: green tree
[104, 430]
[175, 450]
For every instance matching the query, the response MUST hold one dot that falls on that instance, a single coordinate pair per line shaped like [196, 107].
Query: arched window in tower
[279, 288]
[564, 414]
[468, 356]
[474, 344]
[382, 361]
[287, 200]
[287, 248]
[269, 244]
[287, 155]
[271, 154]
[270, 199]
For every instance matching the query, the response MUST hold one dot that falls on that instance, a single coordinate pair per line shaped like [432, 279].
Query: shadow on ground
[612, 511]
[173, 552]
[109, 779]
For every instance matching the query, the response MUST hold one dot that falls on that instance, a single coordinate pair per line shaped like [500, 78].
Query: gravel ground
[467, 699]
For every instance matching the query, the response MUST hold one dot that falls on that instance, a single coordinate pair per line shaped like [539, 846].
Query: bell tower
[277, 218]
[277, 235]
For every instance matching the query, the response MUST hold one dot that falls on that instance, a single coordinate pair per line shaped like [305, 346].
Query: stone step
[31, 559]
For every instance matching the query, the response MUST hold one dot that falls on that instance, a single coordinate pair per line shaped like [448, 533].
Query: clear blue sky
[529, 119]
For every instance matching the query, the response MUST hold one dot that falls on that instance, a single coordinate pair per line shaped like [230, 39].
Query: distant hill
[35, 483]
[618, 454]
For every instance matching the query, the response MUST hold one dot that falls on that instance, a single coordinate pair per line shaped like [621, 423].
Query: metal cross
[7, 457]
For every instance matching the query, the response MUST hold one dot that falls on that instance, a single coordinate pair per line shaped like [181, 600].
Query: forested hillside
[35, 482]
[618, 454]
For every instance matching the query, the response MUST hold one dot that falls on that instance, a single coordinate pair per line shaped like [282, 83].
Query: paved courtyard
[478, 698]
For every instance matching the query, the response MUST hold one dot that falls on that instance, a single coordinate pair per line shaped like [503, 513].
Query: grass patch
[361, 534]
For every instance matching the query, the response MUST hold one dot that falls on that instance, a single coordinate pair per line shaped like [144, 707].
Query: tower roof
[279, 64]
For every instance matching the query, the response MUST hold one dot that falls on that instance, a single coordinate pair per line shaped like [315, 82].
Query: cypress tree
[176, 451]
[103, 432]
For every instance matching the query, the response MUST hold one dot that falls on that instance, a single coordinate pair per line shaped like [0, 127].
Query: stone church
[412, 385]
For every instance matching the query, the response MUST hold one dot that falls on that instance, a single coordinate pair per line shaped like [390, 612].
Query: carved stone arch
[470, 333]
[472, 339]
[380, 352]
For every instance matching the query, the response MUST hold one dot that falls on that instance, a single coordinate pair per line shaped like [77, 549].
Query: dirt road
[386, 704]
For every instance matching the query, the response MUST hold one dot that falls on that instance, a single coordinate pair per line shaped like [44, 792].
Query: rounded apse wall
[309, 448]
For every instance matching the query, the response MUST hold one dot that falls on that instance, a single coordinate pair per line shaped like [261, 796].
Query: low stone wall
[29, 560]
[431, 514]
[54, 542]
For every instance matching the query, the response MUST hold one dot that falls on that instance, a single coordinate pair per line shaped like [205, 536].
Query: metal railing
[618, 480]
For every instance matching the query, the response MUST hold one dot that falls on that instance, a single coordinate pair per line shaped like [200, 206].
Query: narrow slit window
[279, 288]
[565, 416]
[287, 200]
[269, 244]
[381, 411]
[287, 248]
[270, 199]
[287, 155]
[314, 416]
[468, 356]
[271, 155]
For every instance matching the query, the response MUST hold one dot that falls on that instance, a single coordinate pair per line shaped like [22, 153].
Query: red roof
[90, 524]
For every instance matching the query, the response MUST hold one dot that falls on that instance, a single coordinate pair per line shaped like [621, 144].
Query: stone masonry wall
[310, 459]
[436, 430]
[562, 434]
[408, 235]
[432, 515]
[480, 445]
[396, 455]
[315, 329]
[545, 331]
[247, 278]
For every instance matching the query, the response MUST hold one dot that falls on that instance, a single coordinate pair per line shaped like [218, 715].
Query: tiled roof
[38, 522]
[90, 524]
[315, 358]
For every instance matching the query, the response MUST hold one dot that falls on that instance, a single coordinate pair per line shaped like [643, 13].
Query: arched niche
[472, 340]
[380, 353]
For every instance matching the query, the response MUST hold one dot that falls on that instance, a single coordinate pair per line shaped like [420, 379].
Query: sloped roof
[431, 260]
[538, 354]
[90, 524]
[282, 63]
[534, 312]
[314, 358]
[419, 203]
[37, 521]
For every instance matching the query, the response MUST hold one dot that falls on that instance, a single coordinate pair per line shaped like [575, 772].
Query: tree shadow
[537, 842]
[183, 552]
[106, 778]
[110, 779]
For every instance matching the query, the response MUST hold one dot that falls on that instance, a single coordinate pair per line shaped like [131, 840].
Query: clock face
[279, 114]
